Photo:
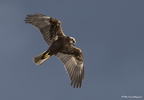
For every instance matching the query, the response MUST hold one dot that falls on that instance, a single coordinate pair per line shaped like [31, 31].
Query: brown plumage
[60, 45]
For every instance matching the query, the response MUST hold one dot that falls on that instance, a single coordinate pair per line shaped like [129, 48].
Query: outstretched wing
[50, 28]
[73, 63]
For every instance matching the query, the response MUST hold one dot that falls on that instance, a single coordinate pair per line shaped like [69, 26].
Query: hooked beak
[74, 44]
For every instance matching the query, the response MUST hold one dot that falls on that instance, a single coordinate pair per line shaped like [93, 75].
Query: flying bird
[60, 45]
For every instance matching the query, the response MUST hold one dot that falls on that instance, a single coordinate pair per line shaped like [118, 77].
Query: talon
[46, 55]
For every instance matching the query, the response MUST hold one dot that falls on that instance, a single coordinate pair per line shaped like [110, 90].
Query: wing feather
[49, 27]
[73, 66]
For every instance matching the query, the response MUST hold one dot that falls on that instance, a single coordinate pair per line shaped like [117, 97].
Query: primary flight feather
[60, 45]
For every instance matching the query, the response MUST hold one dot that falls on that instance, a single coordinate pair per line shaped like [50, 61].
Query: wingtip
[39, 14]
[36, 14]
[75, 85]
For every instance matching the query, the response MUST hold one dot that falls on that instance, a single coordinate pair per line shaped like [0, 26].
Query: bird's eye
[73, 41]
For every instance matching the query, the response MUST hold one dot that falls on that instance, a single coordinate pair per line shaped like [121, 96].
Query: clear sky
[109, 32]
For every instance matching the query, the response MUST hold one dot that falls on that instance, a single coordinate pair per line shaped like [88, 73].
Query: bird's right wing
[73, 63]
[49, 27]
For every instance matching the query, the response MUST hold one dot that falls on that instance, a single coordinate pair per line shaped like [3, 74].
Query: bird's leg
[46, 55]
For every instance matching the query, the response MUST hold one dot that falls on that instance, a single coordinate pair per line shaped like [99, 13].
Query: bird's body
[60, 46]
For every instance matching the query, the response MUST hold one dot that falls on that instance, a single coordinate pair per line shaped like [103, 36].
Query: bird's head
[72, 41]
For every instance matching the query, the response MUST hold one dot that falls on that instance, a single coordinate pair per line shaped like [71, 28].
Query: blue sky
[109, 32]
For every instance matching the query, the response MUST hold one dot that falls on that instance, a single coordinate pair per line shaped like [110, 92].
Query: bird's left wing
[73, 63]
[49, 27]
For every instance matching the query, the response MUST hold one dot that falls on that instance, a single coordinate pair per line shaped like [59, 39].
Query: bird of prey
[60, 45]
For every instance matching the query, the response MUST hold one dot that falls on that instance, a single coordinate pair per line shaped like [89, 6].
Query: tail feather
[38, 60]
